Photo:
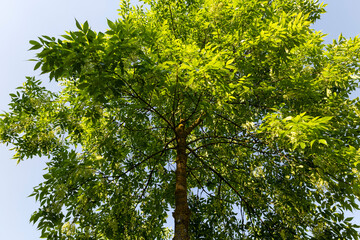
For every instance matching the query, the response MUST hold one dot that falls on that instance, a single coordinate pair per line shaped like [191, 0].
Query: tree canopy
[232, 113]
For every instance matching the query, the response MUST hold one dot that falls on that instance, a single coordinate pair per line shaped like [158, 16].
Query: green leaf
[312, 142]
[230, 61]
[111, 24]
[38, 64]
[35, 47]
[78, 25]
[86, 27]
[67, 37]
[48, 38]
[33, 42]
[46, 176]
[35, 217]
[323, 141]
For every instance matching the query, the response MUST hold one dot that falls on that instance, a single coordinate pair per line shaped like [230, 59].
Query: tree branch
[146, 186]
[197, 122]
[247, 205]
[231, 141]
[209, 194]
[145, 102]
[146, 159]
[196, 106]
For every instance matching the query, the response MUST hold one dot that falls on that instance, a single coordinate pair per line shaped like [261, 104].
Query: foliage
[271, 134]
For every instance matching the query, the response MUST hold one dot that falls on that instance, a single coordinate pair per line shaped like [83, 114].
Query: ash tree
[233, 114]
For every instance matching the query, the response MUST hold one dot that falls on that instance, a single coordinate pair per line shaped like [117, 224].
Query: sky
[24, 20]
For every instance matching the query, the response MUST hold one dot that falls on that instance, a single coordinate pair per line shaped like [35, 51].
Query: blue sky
[23, 20]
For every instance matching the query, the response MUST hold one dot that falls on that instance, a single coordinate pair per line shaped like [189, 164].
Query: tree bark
[182, 212]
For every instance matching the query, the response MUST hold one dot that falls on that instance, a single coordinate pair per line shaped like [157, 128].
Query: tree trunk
[182, 212]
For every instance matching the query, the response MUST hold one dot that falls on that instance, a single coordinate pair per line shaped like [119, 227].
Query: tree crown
[243, 92]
